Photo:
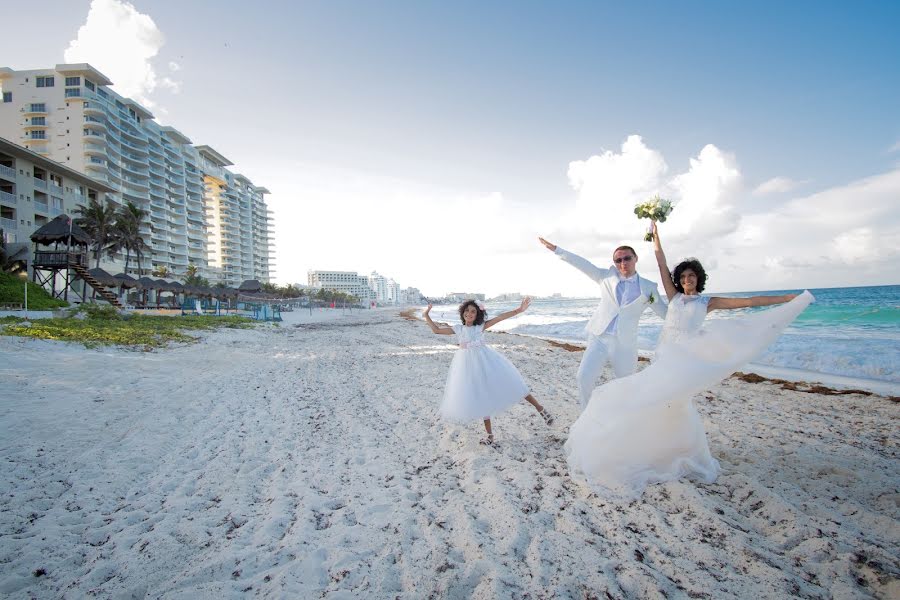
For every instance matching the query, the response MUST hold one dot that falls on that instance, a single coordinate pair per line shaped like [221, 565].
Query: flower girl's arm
[433, 325]
[668, 284]
[508, 314]
[717, 302]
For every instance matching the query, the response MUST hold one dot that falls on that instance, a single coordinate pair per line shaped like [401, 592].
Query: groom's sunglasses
[623, 259]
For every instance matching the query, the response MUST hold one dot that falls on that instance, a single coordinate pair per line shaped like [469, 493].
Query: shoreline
[789, 379]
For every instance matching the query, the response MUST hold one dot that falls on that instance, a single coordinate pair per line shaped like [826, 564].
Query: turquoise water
[848, 332]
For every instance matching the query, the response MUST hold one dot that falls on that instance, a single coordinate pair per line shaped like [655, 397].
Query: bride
[644, 428]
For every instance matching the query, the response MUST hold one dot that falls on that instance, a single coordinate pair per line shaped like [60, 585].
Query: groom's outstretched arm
[585, 266]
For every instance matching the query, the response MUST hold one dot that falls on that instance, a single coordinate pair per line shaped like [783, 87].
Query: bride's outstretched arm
[717, 302]
[664, 274]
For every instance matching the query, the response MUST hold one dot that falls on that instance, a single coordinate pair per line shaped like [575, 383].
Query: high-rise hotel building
[198, 212]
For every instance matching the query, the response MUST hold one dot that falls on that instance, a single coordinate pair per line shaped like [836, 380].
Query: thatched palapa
[59, 230]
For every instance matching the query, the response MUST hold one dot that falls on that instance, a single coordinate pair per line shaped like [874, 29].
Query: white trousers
[600, 350]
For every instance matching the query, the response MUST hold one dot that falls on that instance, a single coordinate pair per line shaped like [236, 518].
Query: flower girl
[481, 381]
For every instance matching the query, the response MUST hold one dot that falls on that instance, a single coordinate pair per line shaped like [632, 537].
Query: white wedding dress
[644, 428]
[481, 382]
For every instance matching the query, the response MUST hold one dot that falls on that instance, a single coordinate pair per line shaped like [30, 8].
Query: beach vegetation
[98, 325]
[12, 291]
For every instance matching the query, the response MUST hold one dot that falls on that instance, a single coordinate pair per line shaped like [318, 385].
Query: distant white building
[347, 282]
[461, 296]
[379, 286]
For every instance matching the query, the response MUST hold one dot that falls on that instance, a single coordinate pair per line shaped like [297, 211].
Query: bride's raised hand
[550, 246]
[427, 310]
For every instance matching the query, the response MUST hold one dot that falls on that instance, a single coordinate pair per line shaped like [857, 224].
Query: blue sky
[458, 132]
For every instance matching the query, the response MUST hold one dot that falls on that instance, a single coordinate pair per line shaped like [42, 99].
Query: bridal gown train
[644, 428]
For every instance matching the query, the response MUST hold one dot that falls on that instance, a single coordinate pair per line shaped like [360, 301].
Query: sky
[435, 142]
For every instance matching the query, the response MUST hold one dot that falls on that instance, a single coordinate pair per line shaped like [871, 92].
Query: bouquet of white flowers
[655, 208]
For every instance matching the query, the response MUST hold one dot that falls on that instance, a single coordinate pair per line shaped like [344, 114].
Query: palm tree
[192, 276]
[97, 220]
[162, 271]
[126, 234]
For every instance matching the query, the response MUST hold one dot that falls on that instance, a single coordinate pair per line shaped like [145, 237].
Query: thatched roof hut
[148, 283]
[250, 286]
[59, 230]
[127, 281]
[104, 278]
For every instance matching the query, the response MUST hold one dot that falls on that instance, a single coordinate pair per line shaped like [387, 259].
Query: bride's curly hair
[479, 318]
[694, 265]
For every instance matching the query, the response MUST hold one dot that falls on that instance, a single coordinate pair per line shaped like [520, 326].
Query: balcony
[41, 207]
[8, 224]
[95, 122]
[94, 148]
[35, 109]
[8, 199]
[8, 173]
[55, 189]
[40, 184]
[30, 126]
[93, 108]
[94, 137]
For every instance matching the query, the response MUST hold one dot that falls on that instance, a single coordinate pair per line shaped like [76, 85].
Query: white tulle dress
[644, 428]
[481, 381]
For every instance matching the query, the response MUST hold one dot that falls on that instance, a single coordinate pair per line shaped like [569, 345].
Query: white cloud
[776, 185]
[174, 66]
[121, 42]
[609, 185]
[706, 195]
[848, 235]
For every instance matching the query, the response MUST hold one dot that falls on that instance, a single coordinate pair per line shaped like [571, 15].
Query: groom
[612, 331]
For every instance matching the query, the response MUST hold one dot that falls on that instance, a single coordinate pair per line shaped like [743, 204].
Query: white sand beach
[307, 460]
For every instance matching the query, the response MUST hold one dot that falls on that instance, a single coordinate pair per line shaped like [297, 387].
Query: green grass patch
[12, 291]
[103, 326]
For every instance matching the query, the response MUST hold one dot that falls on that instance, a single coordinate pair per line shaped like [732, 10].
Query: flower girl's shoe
[548, 418]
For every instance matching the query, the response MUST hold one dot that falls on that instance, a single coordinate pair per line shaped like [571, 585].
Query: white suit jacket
[629, 314]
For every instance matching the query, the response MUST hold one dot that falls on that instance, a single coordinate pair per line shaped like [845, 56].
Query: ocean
[849, 337]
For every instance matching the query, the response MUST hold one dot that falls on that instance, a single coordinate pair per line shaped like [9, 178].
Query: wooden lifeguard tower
[67, 261]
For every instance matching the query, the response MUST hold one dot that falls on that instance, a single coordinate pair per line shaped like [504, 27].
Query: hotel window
[39, 107]
[38, 120]
[44, 81]
[73, 92]
[39, 135]
[73, 81]
[89, 85]
[7, 96]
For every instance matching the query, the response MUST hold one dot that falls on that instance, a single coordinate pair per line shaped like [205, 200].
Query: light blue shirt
[627, 291]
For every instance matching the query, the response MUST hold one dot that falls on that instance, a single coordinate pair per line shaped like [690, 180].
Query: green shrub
[12, 291]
